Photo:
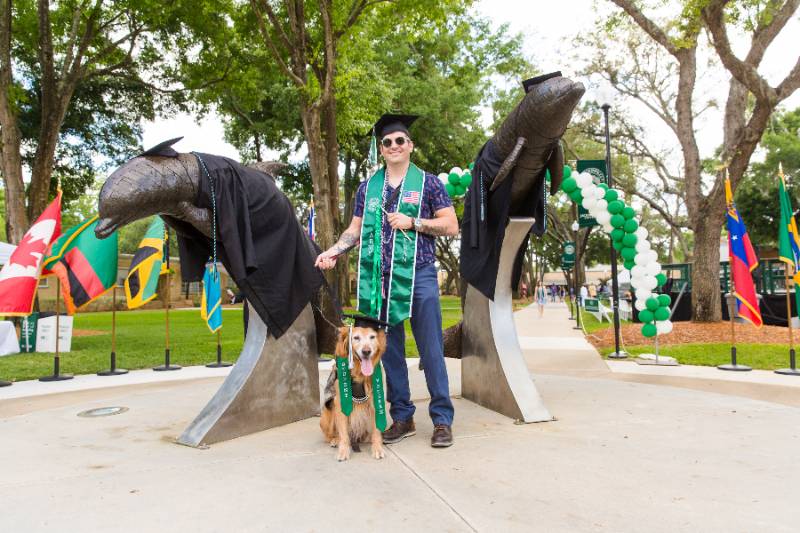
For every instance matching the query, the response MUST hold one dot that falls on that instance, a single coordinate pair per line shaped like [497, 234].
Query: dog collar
[359, 393]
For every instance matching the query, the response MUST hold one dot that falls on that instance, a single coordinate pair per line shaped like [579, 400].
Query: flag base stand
[622, 354]
[734, 367]
[167, 366]
[57, 375]
[5, 383]
[219, 363]
[791, 371]
[113, 371]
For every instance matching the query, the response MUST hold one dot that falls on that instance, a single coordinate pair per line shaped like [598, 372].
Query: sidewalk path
[621, 456]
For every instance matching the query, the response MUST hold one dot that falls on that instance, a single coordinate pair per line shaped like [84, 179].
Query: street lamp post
[575, 228]
[617, 353]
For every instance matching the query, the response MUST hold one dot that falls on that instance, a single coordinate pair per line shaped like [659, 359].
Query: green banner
[27, 333]
[568, 254]
[591, 305]
[597, 168]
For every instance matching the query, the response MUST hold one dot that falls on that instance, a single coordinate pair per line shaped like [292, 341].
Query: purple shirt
[434, 197]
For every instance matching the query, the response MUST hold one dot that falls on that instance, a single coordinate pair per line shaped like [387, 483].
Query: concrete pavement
[622, 456]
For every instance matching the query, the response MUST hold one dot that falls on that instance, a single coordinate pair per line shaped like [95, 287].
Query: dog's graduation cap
[527, 84]
[163, 149]
[361, 321]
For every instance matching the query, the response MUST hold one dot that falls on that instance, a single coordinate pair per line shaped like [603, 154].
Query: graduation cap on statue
[361, 321]
[527, 84]
[163, 149]
[388, 123]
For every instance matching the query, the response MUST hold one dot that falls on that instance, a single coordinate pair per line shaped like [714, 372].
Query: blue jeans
[426, 325]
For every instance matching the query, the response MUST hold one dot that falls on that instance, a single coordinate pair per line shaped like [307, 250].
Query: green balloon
[662, 313]
[459, 190]
[649, 330]
[629, 265]
[664, 300]
[617, 234]
[454, 178]
[576, 196]
[630, 226]
[547, 174]
[611, 195]
[567, 172]
[466, 179]
[615, 207]
[630, 239]
[661, 278]
[618, 221]
[618, 246]
[628, 253]
[652, 303]
[604, 187]
[451, 190]
[471, 166]
[646, 315]
[569, 185]
[628, 212]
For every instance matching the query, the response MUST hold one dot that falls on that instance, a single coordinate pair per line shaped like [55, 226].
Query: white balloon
[602, 204]
[457, 170]
[604, 218]
[583, 180]
[607, 226]
[637, 282]
[643, 294]
[599, 193]
[638, 271]
[640, 304]
[443, 177]
[653, 269]
[588, 191]
[588, 203]
[642, 245]
[653, 256]
[650, 282]
[641, 232]
[663, 326]
[642, 258]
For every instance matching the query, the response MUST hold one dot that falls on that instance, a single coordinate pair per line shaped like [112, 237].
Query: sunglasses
[400, 141]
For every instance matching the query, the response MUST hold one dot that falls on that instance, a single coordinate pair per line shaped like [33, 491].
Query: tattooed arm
[348, 240]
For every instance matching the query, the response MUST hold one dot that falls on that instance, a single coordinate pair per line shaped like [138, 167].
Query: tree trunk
[16, 216]
[705, 271]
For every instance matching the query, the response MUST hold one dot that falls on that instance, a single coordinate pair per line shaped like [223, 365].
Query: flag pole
[733, 366]
[167, 365]
[57, 375]
[113, 371]
[792, 370]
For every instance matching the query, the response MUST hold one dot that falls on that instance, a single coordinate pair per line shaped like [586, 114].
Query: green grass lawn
[763, 356]
[140, 342]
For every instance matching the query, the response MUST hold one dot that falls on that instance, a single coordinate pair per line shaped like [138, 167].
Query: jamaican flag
[141, 285]
[211, 301]
[85, 265]
[789, 237]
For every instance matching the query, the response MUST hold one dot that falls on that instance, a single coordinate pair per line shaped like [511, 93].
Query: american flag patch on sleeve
[411, 197]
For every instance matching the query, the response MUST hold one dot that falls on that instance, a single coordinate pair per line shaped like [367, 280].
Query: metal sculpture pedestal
[493, 371]
[274, 382]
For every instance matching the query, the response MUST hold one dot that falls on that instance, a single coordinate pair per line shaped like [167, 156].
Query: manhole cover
[102, 411]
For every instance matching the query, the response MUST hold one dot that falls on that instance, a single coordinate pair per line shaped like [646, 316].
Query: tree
[72, 82]
[750, 103]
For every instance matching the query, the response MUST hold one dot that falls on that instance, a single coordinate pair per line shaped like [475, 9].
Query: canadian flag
[20, 276]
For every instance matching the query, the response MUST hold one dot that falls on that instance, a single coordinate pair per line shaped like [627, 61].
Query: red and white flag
[19, 278]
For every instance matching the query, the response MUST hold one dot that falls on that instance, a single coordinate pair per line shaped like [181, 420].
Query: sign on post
[27, 333]
[597, 168]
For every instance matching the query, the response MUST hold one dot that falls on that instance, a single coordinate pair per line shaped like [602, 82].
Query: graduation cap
[163, 149]
[361, 321]
[527, 84]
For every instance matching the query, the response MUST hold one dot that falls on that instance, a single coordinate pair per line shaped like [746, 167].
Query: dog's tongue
[366, 366]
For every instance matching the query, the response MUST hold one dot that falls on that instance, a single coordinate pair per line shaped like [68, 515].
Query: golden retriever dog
[346, 432]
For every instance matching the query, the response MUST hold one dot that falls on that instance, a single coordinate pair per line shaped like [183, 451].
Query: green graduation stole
[346, 388]
[404, 251]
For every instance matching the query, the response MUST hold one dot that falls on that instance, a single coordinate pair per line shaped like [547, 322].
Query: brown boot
[399, 431]
[442, 436]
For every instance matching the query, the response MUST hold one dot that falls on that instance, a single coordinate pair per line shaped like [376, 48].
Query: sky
[548, 29]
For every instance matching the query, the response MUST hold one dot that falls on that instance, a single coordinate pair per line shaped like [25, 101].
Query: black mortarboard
[390, 123]
[361, 321]
[527, 84]
[163, 149]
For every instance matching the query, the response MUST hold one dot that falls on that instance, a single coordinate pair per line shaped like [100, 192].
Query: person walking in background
[541, 298]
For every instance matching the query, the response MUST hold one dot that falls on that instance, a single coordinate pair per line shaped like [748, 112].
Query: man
[398, 214]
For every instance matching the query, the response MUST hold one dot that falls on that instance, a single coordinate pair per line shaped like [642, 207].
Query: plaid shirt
[434, 197]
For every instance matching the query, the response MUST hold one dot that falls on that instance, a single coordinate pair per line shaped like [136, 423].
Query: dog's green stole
[346, 389]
